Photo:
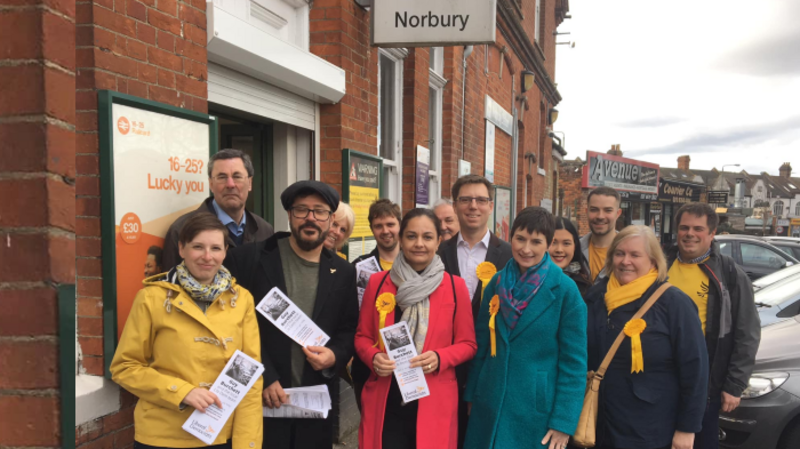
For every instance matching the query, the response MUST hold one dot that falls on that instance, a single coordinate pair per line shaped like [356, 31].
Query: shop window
[390, 116]
[797, 209]
[777, 208]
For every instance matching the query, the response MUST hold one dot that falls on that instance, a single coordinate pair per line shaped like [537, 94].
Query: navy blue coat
[643, 410]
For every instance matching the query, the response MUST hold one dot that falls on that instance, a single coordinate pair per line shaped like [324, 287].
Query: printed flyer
[278, 309]
[400, 349]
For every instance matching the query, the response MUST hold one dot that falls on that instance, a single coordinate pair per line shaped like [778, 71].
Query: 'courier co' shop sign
[429, 23]
[605, 170]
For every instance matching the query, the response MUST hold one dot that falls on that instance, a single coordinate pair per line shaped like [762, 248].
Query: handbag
[585, 434]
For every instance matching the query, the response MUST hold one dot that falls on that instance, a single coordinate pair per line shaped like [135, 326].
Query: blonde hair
[349, 216]
[651, 246]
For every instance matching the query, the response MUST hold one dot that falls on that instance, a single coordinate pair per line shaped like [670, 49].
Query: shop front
[671, 196]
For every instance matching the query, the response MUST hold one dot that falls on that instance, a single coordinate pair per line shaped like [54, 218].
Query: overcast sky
[716, 79]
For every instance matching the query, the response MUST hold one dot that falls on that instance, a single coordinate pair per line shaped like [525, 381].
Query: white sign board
[499, 116]
[426, 23]
[548, 204]
[488, 171]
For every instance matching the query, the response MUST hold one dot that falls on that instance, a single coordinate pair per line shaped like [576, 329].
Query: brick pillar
[415, 118]
[37, 215]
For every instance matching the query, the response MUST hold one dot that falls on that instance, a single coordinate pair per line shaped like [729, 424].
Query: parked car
[780, 300]
[755, 255]
[789, 245]
[769, 414]
[785, 273]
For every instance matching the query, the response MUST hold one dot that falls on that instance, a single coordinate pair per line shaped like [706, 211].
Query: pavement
[350, 442]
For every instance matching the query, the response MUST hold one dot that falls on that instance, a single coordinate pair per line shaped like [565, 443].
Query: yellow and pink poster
[159, 173]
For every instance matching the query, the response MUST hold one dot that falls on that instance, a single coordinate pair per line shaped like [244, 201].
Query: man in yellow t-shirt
[691, 279]
[603, 211]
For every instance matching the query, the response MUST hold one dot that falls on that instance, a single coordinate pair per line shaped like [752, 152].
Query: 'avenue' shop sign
[619, 173]
[430, 23]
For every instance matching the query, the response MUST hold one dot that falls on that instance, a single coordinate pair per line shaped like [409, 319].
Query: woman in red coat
[438, 312]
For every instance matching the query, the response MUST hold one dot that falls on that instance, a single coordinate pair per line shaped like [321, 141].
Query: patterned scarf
[516, 291]
[696, 260]
[200, 293]
[413, 295]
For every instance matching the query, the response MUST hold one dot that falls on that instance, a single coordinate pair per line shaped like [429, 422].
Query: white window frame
[393, 168]
[537, 21]
[775, 208]
[436, 84]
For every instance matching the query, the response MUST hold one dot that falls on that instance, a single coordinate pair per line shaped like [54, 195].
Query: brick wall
[37, 214]
[574, 195]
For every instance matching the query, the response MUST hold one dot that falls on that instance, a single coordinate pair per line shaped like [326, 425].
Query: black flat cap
[305, 188]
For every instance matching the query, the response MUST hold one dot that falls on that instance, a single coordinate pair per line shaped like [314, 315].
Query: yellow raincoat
[169, 347]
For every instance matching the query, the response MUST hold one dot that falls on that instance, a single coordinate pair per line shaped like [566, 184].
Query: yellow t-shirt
[597, 259]
[693, 281]
[386, 265]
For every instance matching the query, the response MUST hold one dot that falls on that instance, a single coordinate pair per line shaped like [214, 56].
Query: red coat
[437, 418]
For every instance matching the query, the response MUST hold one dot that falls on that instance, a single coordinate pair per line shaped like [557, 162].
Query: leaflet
[400, 348]
[278, 309]
[304, 402]
[239, 375]
[364, 270]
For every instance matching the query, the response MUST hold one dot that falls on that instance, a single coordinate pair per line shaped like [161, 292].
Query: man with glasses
[323, 286]
[230, 176]
[473, 244]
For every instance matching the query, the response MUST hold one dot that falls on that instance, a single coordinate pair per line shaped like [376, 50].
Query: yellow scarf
[617, 296]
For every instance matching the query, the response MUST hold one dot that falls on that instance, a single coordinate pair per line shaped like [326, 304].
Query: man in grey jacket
[602, 213]
[724, 298]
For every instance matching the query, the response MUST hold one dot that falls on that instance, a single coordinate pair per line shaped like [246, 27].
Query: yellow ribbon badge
[634, 329]
[494, 307]
[385, 305]
[485, 272]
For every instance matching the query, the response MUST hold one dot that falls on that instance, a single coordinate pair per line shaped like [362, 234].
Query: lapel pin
[333, 270]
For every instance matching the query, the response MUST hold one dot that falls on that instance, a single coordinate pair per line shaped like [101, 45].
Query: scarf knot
[204, 295]
[618, 295]
[515, 290]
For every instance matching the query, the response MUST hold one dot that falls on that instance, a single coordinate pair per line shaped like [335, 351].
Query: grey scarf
[413, 294]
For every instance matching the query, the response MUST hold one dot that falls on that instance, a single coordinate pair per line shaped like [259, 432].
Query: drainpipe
[467, 51]
[514, 146]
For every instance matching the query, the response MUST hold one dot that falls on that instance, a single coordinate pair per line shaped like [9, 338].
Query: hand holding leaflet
[237, 378]
[278, 309]
[364, 270]
[304, 402]
[400, 349]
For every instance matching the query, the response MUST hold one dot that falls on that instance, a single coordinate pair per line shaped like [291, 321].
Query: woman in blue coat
[654, 392]
[526, 389]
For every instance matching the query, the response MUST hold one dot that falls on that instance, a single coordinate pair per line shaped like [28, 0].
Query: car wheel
[791, 435]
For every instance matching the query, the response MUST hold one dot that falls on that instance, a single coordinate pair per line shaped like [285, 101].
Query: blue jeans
[708, 438]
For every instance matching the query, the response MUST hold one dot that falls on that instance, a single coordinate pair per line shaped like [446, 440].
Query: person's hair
[349, 215]
[442, 202]
[421, 212]
[535, 219]
[567, 225]
[201, 222]
[471, 179]
[230, 153]
[699, 210]
[651, 246]
[383, 208]
[605, 191]
[157, 252]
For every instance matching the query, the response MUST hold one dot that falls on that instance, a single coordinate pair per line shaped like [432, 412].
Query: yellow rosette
[485, 272]
[385, 305]
[634, 329]
[494, 307]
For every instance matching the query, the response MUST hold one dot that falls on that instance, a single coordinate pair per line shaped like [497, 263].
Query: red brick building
[291, 82]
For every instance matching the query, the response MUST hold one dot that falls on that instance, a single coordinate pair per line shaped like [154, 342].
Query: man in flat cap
[323, 286]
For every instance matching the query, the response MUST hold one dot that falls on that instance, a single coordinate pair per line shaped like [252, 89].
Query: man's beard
[387, 248]
[308, 245]
[610, 228]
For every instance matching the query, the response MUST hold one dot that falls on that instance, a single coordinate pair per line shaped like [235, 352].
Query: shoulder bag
[585, 434]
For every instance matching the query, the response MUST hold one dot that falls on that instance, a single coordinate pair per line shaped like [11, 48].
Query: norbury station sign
[431, 23]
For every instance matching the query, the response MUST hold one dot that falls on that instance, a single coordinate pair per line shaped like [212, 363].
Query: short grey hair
[230, 153]
[442, 202]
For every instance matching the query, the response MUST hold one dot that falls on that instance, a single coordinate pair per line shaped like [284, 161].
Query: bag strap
[601, 371]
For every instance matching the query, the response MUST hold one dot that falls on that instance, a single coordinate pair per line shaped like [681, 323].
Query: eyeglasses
[466, 200]
[302, 212]
[223, 179]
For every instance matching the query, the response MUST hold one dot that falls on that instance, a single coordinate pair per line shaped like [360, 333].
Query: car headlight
[763, 383]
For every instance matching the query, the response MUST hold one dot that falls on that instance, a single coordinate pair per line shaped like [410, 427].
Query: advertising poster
[159, 173]
[502, 214]
[423, 180]
[489, 164]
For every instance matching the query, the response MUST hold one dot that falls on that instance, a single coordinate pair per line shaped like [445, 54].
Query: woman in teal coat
[528, 389]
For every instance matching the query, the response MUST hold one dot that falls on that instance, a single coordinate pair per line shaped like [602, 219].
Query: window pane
[725, 249]
[760, 256]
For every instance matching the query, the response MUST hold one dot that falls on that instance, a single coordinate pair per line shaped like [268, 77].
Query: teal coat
[537, 380]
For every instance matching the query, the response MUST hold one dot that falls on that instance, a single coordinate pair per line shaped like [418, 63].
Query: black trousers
[138, 445]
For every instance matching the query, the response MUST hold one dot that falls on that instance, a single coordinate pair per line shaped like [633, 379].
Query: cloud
[724, 140]
[651, 122]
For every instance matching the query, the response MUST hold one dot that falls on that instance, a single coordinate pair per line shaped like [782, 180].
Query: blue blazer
[537, 380]
[643, 410]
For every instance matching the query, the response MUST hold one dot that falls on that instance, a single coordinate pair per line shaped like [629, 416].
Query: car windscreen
[770, 279]
[779, 292]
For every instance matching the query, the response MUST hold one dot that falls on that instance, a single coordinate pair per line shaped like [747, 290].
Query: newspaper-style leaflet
[286, 316]
[304, 402]
[364, 270]
[239, 375]
[400, 348]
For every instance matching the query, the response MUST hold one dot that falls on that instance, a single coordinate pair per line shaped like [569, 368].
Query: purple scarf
[515, 291]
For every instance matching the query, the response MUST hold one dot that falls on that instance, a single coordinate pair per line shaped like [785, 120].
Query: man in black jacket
[230, 177]
[323, 286]
[724, 298]
[474, 243]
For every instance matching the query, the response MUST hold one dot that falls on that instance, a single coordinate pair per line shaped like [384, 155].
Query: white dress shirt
[469, 258]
